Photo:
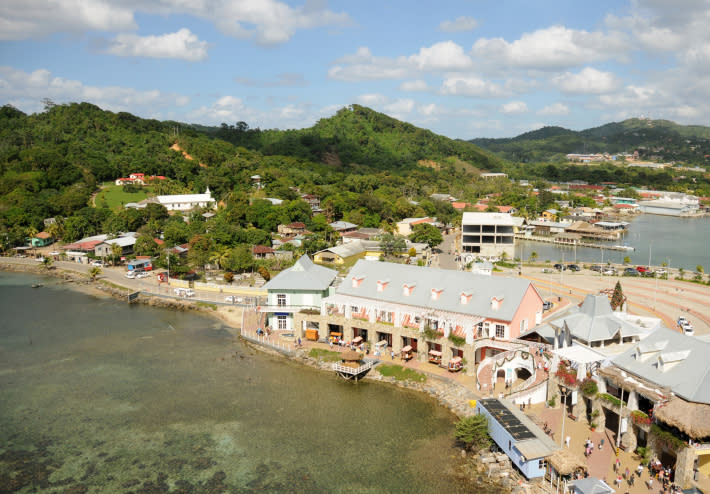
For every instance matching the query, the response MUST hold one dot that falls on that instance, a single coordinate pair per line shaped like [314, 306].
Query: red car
[641, 269]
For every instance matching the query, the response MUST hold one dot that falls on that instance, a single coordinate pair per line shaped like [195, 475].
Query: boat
[624, 247]
[37, 285]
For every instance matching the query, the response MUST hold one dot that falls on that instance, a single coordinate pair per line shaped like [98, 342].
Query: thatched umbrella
[691, 418]
[565, 462]
[349, 355]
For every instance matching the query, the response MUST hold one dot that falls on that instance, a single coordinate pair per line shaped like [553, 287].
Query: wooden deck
[352, 372]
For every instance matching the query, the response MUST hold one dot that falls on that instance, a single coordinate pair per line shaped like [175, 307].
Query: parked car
[573, 267]
[641, 269]
[233, 299]
[609, 272]
[547, 305]
[184, 292]
[630, 272]
[560, 267]
[130, 275]
[39, 259]
[142, 274]
[98, 264]
[596, 267]
[546, 270]
[649, 274]
[661, 271]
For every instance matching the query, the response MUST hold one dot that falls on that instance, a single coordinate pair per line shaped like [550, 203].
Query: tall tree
[617, 298]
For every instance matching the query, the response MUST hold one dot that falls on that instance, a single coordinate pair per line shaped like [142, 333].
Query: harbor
[566, 241]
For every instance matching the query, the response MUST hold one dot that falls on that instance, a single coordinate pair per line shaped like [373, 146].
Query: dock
[565, 242]
[351, 372]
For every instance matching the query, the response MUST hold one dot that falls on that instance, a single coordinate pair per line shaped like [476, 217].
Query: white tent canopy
[580, 356]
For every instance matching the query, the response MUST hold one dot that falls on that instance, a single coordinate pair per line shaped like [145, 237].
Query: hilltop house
[452, 313]
[300, 287]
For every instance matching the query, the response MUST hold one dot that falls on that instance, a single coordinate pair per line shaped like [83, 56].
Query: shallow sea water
[99, 396]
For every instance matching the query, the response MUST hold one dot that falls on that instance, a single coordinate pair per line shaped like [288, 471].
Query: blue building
[525, 443]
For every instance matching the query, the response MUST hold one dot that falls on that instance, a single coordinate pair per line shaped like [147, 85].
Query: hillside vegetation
[366, 168]
[654, 139]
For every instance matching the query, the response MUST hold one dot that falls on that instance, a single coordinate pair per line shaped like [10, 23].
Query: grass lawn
[325, 355]
[114, 197]
[400, 373]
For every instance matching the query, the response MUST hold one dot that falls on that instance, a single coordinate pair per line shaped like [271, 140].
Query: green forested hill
[357, 135]
[654, 139]
[362, 164]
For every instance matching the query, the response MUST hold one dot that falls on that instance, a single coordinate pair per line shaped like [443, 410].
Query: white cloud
[371, 99]
[181, 44]
[399, 108]
[514, 107]
[587, 81]
[463, 23]
[414, 86]
[429, 110]
[363, 65]
[553, 47]
[266, 21]
[472, 86]
[445, 55]
[26, 90]
[554, 109]
[632, 96]
[23, 19]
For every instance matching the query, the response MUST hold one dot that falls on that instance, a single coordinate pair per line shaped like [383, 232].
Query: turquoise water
[679, 242]
[99, 396]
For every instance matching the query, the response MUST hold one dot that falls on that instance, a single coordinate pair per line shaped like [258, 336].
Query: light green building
[301, 287]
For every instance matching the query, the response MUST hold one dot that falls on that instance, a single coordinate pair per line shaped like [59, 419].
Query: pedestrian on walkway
[626, 473]
[567, 441]
[631, 479]
[601, 443]
[392, 354]
[617, 464]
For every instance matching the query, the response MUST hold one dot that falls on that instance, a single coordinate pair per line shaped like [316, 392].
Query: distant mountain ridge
[659, 139]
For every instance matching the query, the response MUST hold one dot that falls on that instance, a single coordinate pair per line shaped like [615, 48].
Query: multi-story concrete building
[301, 287]
[488, 234]
[452, 313]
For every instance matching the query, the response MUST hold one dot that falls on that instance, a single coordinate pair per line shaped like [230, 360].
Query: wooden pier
[554, 240]
[352, 372]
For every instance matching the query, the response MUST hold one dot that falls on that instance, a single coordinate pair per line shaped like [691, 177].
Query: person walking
[567, 441]
[392, 354]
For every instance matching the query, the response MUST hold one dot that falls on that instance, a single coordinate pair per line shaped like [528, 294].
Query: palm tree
[116, 253]
[94, 272]
[47, 262]
[533, 256]
[681, 273]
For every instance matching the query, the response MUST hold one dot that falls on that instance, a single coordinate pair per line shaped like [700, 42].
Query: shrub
[431, 334]
[638, 417]
[472, 431]
[264, 273]
[610, 399]
[589, 387]
[552, 401]
[456, 340]
[668, 439]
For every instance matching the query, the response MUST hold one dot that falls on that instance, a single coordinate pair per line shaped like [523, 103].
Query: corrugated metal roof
[688, 378]
[452, 283]
[304, 275]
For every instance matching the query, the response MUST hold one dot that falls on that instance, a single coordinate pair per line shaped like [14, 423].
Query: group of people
[589, 447]
[336, 340]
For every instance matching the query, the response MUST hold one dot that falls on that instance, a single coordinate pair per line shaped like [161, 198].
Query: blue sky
[463, 69]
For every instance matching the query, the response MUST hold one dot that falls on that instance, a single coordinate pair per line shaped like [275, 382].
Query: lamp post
[563, 391]
[621, 409]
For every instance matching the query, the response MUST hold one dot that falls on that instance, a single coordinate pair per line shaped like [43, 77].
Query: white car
[98, 264]
[142, 275]
[184, 292]
[131, 275]
[609, 272]
[233, 299]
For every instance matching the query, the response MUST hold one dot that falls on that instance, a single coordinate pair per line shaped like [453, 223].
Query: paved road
[116, 275]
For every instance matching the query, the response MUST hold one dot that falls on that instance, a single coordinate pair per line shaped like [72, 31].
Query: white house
[186, 202]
